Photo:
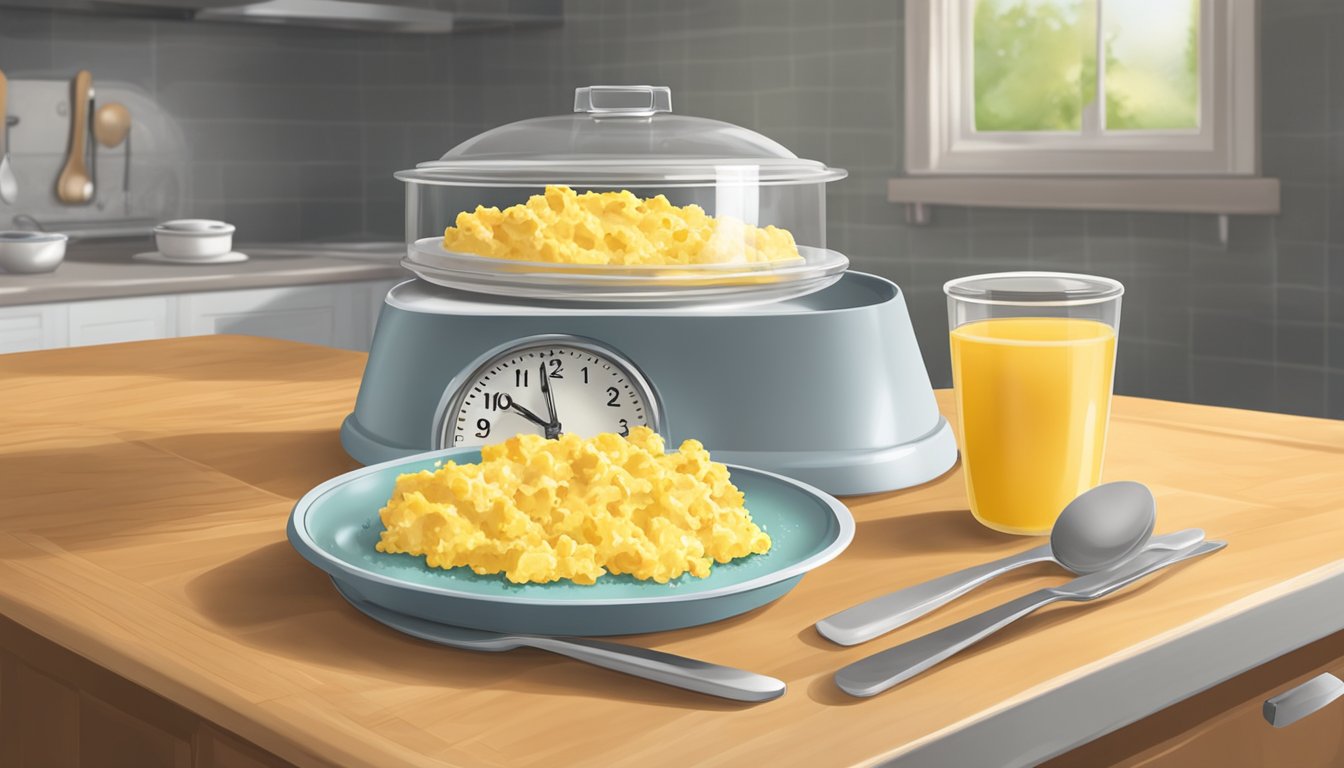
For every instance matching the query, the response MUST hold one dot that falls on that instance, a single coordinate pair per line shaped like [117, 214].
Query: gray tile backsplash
[295, 134]
[273, 117]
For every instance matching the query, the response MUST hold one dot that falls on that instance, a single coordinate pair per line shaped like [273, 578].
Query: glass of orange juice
[1033, 362]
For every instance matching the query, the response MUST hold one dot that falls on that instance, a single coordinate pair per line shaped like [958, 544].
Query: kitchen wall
[1256, 324]
[275, 118]
[295, 133]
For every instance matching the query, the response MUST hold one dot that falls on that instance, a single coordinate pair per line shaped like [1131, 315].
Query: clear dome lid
[622, 135]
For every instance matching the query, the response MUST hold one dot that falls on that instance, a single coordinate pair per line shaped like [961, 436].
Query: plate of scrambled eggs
[617, 247]
[538, 511]
[604, 536]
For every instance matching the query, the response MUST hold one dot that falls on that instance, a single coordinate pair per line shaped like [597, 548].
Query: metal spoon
[667, 668]
[9, 185]
[9, 188]
[882, 670]
[1099, 529]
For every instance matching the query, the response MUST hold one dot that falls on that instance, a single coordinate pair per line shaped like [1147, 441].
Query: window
[1081, 87]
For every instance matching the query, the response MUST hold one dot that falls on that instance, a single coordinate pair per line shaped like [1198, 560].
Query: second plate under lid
[709, 284]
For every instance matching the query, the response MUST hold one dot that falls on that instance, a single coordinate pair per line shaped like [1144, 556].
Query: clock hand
[552, 429]
[530, 416]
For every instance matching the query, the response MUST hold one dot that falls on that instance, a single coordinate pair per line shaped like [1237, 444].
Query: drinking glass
[1033, 364]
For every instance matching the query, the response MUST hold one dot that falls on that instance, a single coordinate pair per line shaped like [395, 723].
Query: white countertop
[106, 270]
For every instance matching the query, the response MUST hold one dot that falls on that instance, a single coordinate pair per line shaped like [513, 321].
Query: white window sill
[1218, 196]
[1221, 196]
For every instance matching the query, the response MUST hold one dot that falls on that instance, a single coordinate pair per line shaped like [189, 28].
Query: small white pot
[31, 252]
[194, 238]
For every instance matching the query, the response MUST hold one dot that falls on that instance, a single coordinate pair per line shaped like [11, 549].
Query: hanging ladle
[111, 127]
[111, 124]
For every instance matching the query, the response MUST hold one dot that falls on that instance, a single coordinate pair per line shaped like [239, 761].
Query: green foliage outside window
[1035, 64]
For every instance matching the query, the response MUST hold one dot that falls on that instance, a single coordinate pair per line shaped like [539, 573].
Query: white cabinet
[319, 314]
[34, 326]
[109, 321]
[334, 315]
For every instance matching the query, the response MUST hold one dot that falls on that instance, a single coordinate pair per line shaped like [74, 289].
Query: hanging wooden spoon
[111, 124]
[74, 186]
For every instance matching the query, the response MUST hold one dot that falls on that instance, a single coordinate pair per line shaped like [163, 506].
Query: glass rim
[1092, 289]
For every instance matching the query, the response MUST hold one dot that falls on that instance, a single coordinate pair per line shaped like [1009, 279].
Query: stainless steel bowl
[31, 252]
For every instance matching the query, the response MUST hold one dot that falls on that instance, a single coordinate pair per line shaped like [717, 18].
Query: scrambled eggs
[541, 510]
[613, 228]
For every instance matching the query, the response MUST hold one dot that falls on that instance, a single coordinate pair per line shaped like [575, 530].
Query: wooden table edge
[1165, 669]
[1039, 723]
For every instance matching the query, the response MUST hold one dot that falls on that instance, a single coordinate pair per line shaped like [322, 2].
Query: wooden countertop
[142, 512]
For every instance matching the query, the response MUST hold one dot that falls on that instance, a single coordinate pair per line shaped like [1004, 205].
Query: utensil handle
[880, 615]
[679, 671]
[4, 114]
[1183, 539]
[881, 671]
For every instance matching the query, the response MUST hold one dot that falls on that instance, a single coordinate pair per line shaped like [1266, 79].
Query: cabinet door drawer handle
[1315, 694]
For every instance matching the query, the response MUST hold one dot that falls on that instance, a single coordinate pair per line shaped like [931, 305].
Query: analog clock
[546, 385]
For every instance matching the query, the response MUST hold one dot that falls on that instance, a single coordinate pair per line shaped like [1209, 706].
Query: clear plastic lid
[621, 136]
[1060, 289]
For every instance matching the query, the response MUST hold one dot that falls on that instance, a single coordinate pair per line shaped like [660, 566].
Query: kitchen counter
[142, 540]
[106, 270]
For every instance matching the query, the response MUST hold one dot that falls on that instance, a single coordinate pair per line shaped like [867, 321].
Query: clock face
[591, 390]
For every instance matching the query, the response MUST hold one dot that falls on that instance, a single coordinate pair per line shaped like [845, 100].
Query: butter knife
[877, 673]
[666, 668]
[880, 615]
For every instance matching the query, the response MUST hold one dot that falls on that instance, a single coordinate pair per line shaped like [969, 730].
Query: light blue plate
[335, 526]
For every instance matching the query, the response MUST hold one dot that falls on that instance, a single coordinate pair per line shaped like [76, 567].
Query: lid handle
[623, 100]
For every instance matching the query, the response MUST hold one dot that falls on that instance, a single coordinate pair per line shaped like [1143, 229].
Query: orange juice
[1033, 397]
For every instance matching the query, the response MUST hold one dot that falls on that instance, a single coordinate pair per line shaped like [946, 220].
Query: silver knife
[883, 670]
[880, 615]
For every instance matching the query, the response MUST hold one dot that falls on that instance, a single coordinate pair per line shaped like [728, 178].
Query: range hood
[404, 16]
[335, 13]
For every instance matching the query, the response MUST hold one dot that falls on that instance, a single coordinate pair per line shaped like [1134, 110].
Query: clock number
[492, 395]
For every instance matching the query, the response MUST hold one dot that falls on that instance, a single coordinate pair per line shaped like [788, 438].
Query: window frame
[940, 139]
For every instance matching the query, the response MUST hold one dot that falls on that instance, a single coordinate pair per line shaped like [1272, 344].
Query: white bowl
[31, 252]
[194, 238]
